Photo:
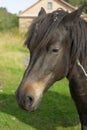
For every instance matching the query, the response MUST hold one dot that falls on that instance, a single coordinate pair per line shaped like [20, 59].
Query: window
[49, 5]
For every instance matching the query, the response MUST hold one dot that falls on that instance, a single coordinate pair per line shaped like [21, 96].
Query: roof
[58, 1]
[67, 4]
[61, 1]
[29, 8]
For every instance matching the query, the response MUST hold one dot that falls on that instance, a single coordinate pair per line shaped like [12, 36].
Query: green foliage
[7, 20]
[77, 3]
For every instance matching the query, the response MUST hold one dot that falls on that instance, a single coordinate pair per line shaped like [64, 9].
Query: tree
[77, 3]
[7, 20]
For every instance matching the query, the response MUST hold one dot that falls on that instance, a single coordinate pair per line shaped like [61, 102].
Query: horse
[58, 48]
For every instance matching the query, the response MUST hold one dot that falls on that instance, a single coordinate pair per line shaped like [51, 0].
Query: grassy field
[57, 110]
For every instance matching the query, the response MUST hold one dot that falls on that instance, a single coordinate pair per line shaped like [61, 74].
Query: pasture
[57, 110]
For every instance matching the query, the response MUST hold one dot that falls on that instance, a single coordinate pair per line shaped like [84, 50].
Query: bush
[7, 20]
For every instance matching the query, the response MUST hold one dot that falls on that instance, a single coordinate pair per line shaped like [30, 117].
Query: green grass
[57, 110]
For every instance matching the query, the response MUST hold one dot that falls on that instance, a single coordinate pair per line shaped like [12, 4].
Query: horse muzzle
[30, 93]
[30, 97]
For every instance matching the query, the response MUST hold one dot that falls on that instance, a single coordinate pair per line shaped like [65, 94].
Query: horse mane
[43, 27]
[79, 41]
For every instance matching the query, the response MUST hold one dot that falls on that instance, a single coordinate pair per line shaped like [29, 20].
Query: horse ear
[73, 17]
[42, 11]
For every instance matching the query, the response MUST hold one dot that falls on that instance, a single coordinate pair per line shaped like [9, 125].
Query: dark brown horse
[58, 45]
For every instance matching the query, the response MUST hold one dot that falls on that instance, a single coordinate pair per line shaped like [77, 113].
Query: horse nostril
[29, 100]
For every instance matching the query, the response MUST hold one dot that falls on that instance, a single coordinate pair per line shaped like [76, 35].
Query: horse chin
[31, 109]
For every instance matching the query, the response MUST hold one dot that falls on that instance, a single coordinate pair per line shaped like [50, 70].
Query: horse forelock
[42, 28]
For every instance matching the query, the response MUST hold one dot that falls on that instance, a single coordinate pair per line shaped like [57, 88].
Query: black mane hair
[79, 40]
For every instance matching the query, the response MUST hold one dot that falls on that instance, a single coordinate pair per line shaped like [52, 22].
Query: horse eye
[55, 50]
